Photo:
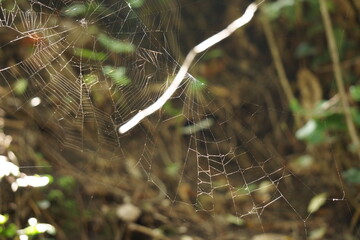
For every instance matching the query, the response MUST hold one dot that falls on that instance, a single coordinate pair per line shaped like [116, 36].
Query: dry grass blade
[338, 75]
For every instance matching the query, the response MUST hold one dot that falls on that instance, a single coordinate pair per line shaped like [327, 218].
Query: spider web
[83, 68]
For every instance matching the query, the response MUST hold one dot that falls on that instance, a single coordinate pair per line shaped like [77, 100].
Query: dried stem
[279, 66]
[148, 231]
[238, 23]
[338, 76]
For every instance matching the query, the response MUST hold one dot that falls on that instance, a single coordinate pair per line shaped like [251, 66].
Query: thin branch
[238, 23]
[275, 53]
[338, 75]
[148, 231]
[279, 66]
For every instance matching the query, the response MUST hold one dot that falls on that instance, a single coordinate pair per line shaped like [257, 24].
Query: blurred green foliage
[325, 123]
[10, 228]
[115, 45]
[135, 3]
[89, 54]
[197, 84]
[118, 75]
[20, 86]
[78, 9]
[90, 79]
[355, 92]
[352, 175]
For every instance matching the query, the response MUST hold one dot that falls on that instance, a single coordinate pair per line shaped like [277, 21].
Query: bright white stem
[238, 23]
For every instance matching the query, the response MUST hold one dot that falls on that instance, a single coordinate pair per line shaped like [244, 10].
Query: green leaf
[82, 9]
[89, 54]
[172, 168]
[75, 10]
[318, 233]
[4, 218]
[355, 92]
[50, 177]
[214, 53]
[135, 3]
[316, 202]
[21, 85]
[38, 228]
[316, 130]
[333, 121]
[304, 161]
[311, 132]
[273, 9]
[118, 75]
[295, 106]
[197, 84]
[115, 45]
[31, 230]
[55, 195]
[304, 49]
[352, 175]
[90, 79]
[10, 231]
[356, 116]
[245, 190]
[67, 182]
[321, 111]
[171, 110]
[234, 220]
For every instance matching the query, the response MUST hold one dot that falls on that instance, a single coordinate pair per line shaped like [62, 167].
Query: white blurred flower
[35, 228]
[32, 181]
[24, 237]
[128, 212]
[34, 102]
[7, 168]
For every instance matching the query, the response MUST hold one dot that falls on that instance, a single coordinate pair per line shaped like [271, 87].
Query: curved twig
[238, 23]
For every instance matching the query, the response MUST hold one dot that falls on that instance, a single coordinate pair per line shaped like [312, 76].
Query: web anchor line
[232, 27]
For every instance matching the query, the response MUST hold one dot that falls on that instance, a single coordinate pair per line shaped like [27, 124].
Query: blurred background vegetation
[275, 79]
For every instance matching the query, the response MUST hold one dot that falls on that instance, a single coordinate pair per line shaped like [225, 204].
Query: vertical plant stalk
[279, 66]
[275, 53]
[338, 75]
